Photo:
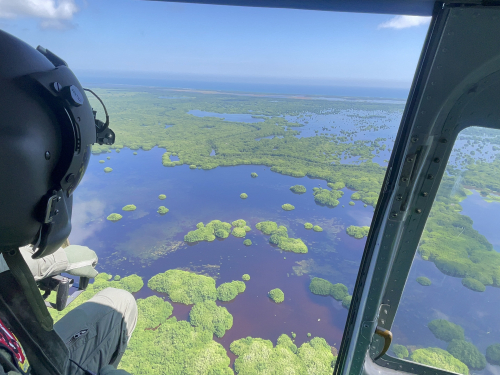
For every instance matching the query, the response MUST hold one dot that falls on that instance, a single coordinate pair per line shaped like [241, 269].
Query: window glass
[251, 145]
[448, 316]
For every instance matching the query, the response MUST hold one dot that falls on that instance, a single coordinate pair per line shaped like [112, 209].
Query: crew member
[46, 130]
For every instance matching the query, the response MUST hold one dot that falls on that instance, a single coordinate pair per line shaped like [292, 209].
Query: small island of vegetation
[246, 277]
[445, 330]
[308, 226]
[277, 295]
[253, 174]
[213, 229]
[162, 210]
[243, 196]
[439, 358]
[114, 217]
[288, 207]
[258, 356]
[279, 236]
[423, 281]
[129, 207]
[327, 197]
[493, 354]
[317, 228]
[210, 317]
[400, 351]
[162, 196]
[184, 287]
[467, 353]
[247, 242]
[473, 284]
[357, 232]
[108, 169]
[229, 291]
[298, 189]
[101, 161]
[338, 291]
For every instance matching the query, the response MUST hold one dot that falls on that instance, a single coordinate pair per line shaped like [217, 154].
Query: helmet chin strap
[24, 310]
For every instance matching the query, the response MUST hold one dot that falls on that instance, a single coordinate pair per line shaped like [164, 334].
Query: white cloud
[55, 14]
[403, 22]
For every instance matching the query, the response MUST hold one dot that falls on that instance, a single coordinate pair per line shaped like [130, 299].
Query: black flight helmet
[47, 127]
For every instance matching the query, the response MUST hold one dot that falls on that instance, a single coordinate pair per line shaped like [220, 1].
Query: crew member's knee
[121, 301]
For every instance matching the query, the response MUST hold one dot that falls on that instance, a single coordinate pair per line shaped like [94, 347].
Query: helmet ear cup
[30, 148]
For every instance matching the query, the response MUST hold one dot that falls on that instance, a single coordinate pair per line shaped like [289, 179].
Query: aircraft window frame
[424, 143]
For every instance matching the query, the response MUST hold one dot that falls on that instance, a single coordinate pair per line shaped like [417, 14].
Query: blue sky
[158, 39]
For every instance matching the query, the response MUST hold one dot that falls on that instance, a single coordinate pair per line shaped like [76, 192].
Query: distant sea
[292, 89]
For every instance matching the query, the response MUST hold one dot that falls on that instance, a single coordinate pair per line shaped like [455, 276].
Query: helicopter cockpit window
[251, 147]
[448, 316]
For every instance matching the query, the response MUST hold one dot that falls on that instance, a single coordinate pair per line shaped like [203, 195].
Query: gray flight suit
[96, 332]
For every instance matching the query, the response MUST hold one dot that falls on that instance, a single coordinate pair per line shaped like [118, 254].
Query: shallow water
[146, 243]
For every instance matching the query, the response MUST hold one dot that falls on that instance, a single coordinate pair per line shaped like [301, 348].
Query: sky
[156, 39]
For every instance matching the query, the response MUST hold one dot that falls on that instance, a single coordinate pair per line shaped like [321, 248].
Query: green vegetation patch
[400, 351]
[246, 277]
[277, 295]
[439, 358]
[101, 161]
[247, 242]
[295, 245]
[253, 174]
[162, 210]
[445, 330]
[493, 354]
[308, 226]
[339, 291]
[288, 207]
[135, 153]
[320, 286]
[351, 203]
[108, 169]
[108, 158]
[327, 197]
[175, 347]
[473, 284]
[240, 223]
[279, 236]
[153, 311]
[239, 232]
[229, 291]
[317, 228]
[346, 302]
[467, 353]
[200, 234]
[298, 189]
[162, 196]
[267, 227]
[117, 278]
[114, 217]
[357, 232]
[210, 317]
[129, 207]
[184, 287]
[243, 196]
[221, 228]
[422, 280]
[258, 356]
[336, 185]
[192, 166]
[450, 241]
